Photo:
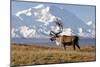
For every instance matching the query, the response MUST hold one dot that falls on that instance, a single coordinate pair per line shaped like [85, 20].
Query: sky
[85, 12]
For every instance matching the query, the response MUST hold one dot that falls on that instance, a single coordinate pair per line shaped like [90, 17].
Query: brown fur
[68, 40]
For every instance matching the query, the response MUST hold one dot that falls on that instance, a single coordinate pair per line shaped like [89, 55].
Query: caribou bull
[64, 40]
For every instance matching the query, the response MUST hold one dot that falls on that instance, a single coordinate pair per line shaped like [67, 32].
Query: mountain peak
[42, 17]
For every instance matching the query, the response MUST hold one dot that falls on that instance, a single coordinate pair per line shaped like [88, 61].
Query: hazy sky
[85, 13]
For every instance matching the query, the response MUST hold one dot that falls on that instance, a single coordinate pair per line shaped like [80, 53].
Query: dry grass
[31, 54]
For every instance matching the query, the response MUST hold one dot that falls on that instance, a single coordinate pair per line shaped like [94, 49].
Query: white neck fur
[58, 43]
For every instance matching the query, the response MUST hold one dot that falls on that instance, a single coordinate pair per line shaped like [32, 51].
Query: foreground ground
[22, 54]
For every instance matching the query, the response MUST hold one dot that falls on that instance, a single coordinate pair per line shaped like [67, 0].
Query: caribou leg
[77, 45]
[64, 46]
[73, 43]
[77, 42]
[74, 46]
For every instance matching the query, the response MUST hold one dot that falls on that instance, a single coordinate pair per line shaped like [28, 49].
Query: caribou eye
[52, 39]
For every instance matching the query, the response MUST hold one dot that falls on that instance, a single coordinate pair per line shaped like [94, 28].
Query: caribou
[64, 40]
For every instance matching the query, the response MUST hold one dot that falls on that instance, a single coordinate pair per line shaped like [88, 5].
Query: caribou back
[65, 38]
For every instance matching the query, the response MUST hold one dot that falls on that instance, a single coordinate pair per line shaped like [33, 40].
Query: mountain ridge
[41, 22]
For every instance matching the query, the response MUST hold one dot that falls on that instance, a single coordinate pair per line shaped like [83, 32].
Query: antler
[60, 25]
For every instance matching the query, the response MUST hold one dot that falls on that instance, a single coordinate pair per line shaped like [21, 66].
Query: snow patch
[38, 6]
[89, 23]
[80, 30]
[67, 31]
[27, 12]
[42, 13]
[14, 32]
[27, 32]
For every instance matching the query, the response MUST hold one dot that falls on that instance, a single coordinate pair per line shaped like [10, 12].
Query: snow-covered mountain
[38, 21]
